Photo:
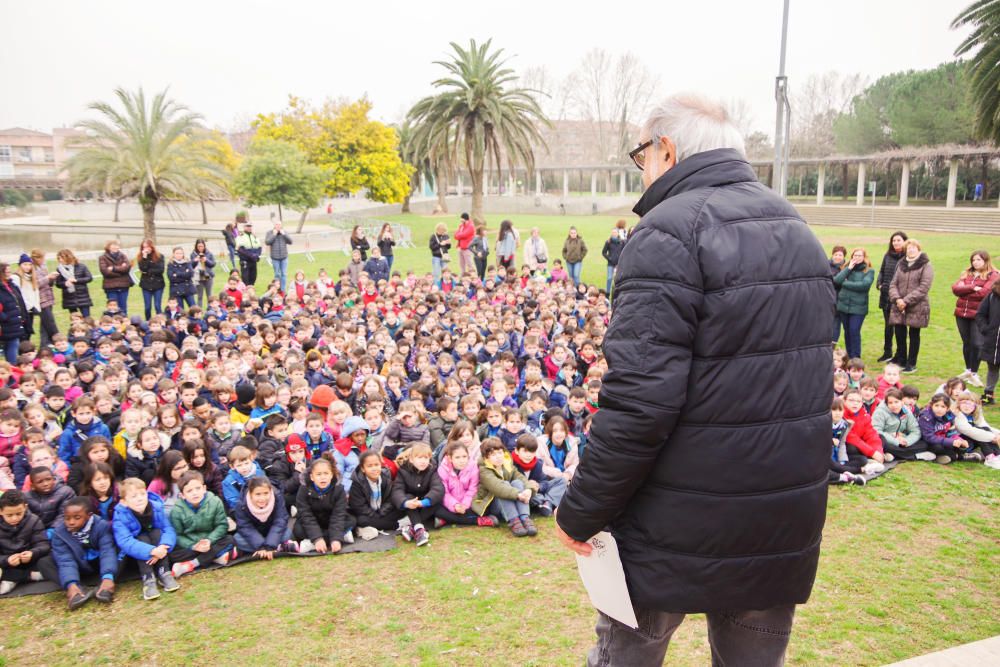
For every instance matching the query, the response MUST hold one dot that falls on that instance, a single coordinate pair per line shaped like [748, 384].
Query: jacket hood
[352, 425]
[721, 166]
[906, 267]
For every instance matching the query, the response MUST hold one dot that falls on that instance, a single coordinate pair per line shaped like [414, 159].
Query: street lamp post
[783, 116]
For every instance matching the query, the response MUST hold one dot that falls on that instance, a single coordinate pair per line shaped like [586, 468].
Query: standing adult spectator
[151, 265]
[204, 271]
[480, 251]
[836, 266]
[536, 251]
[13, 316]
[972, 287]
[507, 243]
[988, 325]
[359, 242]
[885, 273]
[386, 243]
[911, 308]
[46, 298]
[612, 250]
[573, 252]
[248, 248]
[722, 282]
[73, 276]
[229, 234]
[278, 241]
[115, 266]
[27, 282]
[463, 236]
[180, 272]
[439, 245]
[855, 282]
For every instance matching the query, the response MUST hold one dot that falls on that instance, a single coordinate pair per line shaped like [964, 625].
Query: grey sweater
[278, 242]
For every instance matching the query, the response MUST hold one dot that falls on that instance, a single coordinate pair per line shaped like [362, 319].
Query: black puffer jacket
[322, 515]
[79, 297]
[885, 273]
[716, 492]
[151, 273]
[13, 313]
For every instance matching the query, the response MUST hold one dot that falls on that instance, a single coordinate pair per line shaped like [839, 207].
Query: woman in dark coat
[911, 307]
[885, 273]
[988, 323]
[836, 266]
[359, 242]
[203, 261]
[150, 263]
[180, 271]
[72, 278]
[13, 316]
[115, 268]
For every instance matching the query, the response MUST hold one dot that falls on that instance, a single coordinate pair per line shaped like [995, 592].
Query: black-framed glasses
[638, 154]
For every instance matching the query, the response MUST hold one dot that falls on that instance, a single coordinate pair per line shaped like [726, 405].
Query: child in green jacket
[199, 518]
[503, 489]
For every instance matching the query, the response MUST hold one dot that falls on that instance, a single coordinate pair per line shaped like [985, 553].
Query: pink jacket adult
[971, 290]
[459, 487]
[466, 232]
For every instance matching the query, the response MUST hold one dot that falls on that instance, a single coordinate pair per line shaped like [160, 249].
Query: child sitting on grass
[24, 548]
[83, 544]
[48, 495]
[242, 468]
[898, 429]
[862, 438]
[371, 501]
[199, 519]
[937, 429]
[417, 490]
[972, 425]
[460, 479]
[550, 489]
[844, 468]
[262, 528]
[144, 534]
[503, 490]
[322, 523]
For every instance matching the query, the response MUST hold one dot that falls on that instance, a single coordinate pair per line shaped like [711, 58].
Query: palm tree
[479, 116]
[144, 150]
[984, 67]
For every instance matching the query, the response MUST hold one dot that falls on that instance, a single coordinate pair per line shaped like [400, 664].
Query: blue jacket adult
[181, 276]
[68, 552]
[377, 269]
[262, 534]
[13, 313]
[75, 434]
[127, 529]
[721, 281]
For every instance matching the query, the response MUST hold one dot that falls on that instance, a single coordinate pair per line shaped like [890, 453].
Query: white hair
[695, 124]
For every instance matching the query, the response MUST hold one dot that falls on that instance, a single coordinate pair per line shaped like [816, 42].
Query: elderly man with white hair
[708, 457]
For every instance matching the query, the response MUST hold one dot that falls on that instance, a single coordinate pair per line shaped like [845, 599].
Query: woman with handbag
[507, 243]
[439, 245]
[536, 251]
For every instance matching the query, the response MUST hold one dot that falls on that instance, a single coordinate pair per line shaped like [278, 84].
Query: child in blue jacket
[83, 426]
[144, 533]
[83, 544]
[937, 429]
[242, 468]
[262, 521]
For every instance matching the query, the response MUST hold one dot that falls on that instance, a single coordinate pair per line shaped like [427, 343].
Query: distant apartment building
[34, 160]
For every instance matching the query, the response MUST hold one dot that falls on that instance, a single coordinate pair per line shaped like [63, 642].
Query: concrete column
[820, 183]
[538, 182]
[593, 184]
[621, 182]
[952, 183]
[904, 185]
[861, 184]
[565, 183]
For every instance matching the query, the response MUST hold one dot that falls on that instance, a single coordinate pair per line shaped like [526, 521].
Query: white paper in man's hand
[604, 579]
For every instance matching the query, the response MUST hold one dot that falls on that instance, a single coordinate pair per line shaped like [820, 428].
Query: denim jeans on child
[510, 509]
[745, 638]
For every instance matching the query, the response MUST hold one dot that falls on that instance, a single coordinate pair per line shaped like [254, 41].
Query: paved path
[977, 654]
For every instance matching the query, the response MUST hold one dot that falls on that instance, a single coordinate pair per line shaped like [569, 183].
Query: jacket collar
[721, 166]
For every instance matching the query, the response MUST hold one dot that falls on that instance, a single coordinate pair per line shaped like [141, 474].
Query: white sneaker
[293, 512]
[975, 381]
[349, 537]
[965, 375]
[305, 546]
[925, 456]
[889, 458]
[6, 587]
[368, 533]
[872, 468]
[992, 461]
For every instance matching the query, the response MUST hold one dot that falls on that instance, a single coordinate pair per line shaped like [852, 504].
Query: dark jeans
[47, 325]
[421, 515]
[852, 334]
[152, 301]
[947, 450]
[470, 518]
[119, 296]
[908, 453]
[388, 260]
[21, 573]
[232, 256]
[887, 344]
[215, 550]
[744, 638]
[183, 299]
[836, 327]
[992, 375]
[987, 448]
[480, 267]
[84, 310]
[854, 463]
[388, 522]
[248, 272]
[906, 355]
[970, 342]
[11, 349]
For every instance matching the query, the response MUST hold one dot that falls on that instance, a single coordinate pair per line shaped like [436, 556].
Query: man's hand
[581, 548]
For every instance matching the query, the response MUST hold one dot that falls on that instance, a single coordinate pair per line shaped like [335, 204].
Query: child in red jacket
[862, 438]
[888, 380]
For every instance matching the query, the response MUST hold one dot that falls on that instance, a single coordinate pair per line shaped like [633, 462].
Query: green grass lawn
[910, 563]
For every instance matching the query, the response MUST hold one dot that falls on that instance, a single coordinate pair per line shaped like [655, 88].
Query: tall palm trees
[478, 118]
[145, 150]
[984, 66]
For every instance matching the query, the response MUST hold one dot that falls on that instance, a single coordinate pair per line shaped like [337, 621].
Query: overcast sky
[230, 60]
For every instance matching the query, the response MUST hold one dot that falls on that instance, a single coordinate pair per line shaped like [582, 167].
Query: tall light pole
[783, 116]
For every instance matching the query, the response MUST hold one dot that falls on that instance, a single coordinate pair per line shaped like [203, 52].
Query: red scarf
[521, 464]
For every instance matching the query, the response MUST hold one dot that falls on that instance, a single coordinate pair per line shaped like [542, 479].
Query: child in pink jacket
[461, 482]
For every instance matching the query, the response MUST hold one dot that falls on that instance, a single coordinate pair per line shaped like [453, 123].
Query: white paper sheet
[604, 579]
